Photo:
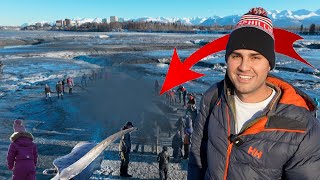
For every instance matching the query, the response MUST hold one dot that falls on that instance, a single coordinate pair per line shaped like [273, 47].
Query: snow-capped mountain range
[280, 19]
[283, 18]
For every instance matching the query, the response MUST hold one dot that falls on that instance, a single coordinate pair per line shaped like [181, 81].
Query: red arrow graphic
[284, 44]
[179, 72]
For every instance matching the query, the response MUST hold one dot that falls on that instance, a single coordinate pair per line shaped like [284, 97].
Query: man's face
[248, 70]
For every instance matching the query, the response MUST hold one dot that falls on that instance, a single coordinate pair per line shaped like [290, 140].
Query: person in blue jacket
[253, 125]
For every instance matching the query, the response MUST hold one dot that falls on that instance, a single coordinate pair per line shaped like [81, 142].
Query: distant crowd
[69, 83]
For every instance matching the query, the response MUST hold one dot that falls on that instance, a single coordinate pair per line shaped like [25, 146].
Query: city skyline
[17, 12]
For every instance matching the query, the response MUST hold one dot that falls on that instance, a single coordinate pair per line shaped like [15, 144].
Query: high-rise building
[113, 19]
[104, 20]
[59, 23]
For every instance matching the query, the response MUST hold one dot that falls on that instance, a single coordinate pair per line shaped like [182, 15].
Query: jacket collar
[17, 135]
[289, 94]
[285, 94]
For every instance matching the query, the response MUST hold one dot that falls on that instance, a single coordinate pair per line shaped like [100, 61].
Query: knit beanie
[254, 31]
[18, 126]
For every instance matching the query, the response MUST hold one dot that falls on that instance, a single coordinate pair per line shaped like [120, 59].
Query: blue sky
[17, 12]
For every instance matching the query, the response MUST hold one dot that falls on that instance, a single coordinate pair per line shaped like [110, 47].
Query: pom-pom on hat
[18, 126]
[254, 31]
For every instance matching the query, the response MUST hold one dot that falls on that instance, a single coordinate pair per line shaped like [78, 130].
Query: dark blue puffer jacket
[282, 143]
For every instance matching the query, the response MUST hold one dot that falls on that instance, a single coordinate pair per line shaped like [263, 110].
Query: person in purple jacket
[22, 154]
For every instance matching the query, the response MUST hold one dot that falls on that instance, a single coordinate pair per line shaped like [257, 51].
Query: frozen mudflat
[132, 61]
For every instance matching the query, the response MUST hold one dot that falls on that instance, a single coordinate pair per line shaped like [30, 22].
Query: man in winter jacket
[125, 148]
[182, 94]
[59, 89]
[191, 107]
[22, 154]
[48, 92]
[163, 159]
[252, 125]
[63, 82]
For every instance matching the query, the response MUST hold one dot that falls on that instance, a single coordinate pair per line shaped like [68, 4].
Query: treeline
[148, 27]
[306, 30]
[144, 26]
[151, 26]
[176, 27]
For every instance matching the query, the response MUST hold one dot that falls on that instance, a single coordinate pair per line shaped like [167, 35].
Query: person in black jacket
[125, 148]
[191, 107]
[163, 159]
[63, 82]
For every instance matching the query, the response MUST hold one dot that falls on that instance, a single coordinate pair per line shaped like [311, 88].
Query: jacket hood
[21, 135]
[292, 95]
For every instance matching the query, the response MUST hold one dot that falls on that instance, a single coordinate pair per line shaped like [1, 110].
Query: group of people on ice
[182, 138]
[183, 97]
[69, 82]
[181, 92]
[60, 87]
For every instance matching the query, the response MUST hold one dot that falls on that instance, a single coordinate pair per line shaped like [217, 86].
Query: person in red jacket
[22, 154]
[70, 84]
